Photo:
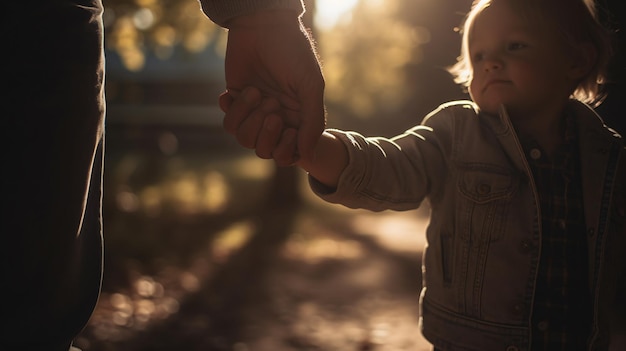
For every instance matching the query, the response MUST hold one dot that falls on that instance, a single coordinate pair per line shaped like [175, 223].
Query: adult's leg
[52, 138]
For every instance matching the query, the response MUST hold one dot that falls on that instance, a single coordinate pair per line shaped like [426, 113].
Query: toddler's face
[521, 65]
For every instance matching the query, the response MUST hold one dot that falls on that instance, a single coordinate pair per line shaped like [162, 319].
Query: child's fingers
[250, 128]
[268, 136]
[238, 108]
[286, 152]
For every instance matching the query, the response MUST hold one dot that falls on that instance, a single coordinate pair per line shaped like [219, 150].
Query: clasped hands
[274, 98]
[262, 124]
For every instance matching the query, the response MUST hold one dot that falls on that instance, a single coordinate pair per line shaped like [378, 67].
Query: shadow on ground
[250, 270]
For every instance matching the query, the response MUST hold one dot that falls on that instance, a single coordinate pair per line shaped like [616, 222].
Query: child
[527, 237]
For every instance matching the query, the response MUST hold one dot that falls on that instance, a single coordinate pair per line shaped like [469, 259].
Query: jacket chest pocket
[486, 192]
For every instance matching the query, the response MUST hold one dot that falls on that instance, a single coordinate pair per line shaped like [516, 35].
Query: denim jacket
[484, 235]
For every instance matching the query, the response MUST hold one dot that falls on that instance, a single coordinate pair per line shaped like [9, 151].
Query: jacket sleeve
[392, 174]
[220, 11]
[398, 173]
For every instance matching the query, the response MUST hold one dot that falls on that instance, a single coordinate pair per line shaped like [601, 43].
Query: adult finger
[286, 151]
[240, 109]
[250, 128]
[248, 131]
[269, 136]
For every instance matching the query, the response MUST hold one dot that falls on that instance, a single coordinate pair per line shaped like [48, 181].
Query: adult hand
[271, 50]
[263, 129]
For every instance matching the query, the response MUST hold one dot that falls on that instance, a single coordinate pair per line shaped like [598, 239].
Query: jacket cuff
[221, 11]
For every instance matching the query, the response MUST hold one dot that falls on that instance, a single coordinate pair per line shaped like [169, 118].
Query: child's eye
[477, 57]
[515, 46]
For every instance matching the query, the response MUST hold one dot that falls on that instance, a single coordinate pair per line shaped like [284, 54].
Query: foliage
[365, 57]
[135, 28]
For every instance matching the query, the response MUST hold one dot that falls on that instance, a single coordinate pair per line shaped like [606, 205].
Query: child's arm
[257, 124]
[330, 158]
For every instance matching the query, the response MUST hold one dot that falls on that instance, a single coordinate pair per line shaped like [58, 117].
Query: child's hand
[257, 124]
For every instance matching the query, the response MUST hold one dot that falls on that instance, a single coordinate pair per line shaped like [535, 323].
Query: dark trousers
[52, 146]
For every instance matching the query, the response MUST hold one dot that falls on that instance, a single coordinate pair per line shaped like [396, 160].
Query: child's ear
[584, 56]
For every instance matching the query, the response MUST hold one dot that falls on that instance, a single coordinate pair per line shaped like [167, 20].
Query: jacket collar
[595, 139]
[590, 124]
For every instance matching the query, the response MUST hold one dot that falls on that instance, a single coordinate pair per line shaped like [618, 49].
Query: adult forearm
[222, 11]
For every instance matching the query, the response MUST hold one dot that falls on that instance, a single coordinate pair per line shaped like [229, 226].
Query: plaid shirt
[561, 318]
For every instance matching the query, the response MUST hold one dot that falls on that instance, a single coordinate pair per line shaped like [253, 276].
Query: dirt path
[335, 288]
[349, 282]
[264, 278]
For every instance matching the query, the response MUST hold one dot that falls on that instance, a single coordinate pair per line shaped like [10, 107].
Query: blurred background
[210, 248]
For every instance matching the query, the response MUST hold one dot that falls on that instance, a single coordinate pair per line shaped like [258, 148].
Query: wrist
[330, 158]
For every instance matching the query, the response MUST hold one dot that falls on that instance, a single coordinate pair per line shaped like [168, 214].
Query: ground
[245, 273]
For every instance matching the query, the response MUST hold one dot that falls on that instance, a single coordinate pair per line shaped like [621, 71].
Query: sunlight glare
[329, 12]
[403, 232]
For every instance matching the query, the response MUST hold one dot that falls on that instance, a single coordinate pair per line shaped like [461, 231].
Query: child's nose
[492, 62]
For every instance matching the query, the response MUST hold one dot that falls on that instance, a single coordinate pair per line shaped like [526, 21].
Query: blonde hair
[576, 20]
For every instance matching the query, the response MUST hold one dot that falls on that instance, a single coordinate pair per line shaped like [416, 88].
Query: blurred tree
[134, 27]
[364, 57]
[385, 63]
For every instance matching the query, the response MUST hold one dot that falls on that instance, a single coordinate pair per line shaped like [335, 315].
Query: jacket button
[484, 189]
[519, 308]
[512, 348]
[535, 154]
[590, 231]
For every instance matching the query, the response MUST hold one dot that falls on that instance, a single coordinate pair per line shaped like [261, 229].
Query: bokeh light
[328, 13]
[364, 58]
